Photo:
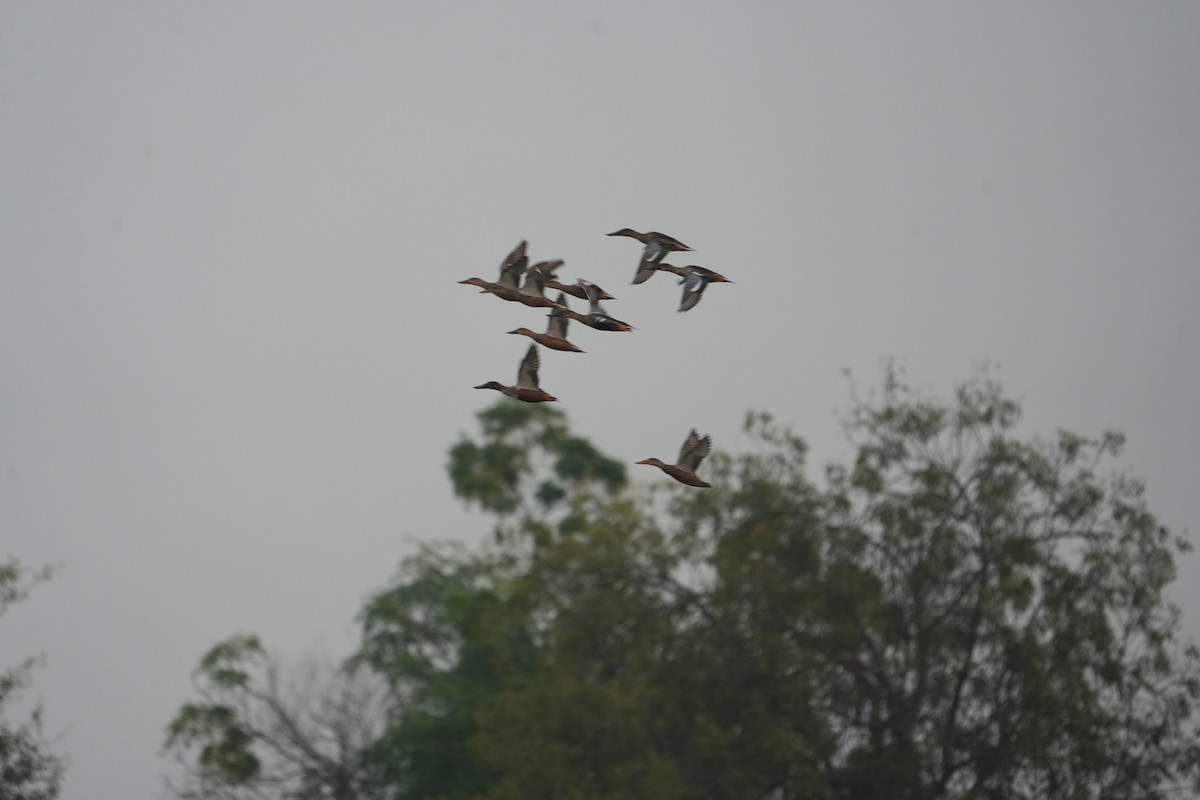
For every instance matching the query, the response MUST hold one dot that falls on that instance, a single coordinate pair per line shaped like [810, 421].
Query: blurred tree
[447, 640]
[994, 623]
[28, 769]
[262, 731]
[531, 467]
[957, 612]
[454, 632]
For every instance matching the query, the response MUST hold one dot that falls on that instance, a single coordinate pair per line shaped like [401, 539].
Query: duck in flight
[657, 245]
[509, 286]
[526, 388]
[596, 317]
[555, 336]
[511, 269]
[694, 281]
[691, 454]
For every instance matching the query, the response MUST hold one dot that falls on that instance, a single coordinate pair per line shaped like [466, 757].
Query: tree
[956, 613]
[28, 769]
[263, 730]
[453, 633]
[530, 465]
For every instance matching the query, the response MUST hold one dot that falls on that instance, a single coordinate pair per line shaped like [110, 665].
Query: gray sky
[233, 348]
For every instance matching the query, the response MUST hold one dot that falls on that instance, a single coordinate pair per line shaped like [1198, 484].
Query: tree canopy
[956, 612]
[29, 769]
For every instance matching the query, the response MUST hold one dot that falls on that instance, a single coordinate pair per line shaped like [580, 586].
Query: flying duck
[526, 388]
[693, 452]
[657, 245]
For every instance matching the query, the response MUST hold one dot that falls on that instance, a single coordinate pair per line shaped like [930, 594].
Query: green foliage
[444, 639]
[226, 746]
[528, 454]
[255, 734]
[28, 769]
[225, 665]
[956, 612]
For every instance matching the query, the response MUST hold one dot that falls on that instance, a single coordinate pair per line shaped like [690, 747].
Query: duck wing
[558, 321]
[538, 274]
[592, 292]
[694, 449]
[514, 266]
[527, 375]
[655, 251]
[645, 269]
[536, 277]
[693, 287]
[547, 267]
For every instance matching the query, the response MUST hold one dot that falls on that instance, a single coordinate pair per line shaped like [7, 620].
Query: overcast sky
[234, 351]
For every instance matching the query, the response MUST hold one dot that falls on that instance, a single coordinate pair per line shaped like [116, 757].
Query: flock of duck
[540, 276]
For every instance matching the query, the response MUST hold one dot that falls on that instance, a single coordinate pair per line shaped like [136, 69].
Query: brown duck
[555, 336]
[693, 452]
[596, 317]
[526, 388]
[511, 269]
[694, 281]
[657, 245]
[509, 286]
